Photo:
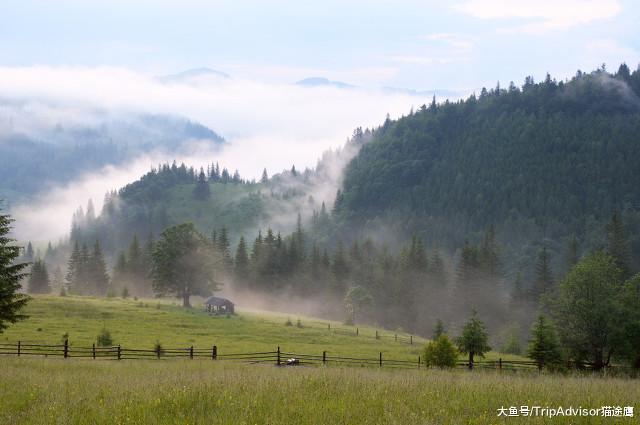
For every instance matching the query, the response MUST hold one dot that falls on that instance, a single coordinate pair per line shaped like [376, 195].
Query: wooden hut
[217, 305]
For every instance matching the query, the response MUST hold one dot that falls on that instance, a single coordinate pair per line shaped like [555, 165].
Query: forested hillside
[33, 162]
[542, 163]
[484, 204]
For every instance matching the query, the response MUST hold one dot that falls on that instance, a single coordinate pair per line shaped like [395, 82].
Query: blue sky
[461, 44]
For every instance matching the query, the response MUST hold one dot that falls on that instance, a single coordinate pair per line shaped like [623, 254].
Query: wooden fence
[355, 331]
[277, 357]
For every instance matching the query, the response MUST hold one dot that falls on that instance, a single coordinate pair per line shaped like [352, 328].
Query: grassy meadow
[139, 324]
[55, 391]
[37, 390]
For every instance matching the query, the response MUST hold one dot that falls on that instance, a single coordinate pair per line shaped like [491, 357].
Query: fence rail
[277, 357]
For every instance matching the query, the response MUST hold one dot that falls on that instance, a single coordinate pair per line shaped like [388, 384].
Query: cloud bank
[266, 125]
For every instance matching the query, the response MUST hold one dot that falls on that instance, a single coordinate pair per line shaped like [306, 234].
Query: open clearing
[181, 391]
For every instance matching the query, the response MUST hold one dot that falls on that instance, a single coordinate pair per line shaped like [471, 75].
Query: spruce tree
[572, 253]
[474, 339]
[11, 273]
[39, 279]
[241, 261]
[202, 191]
[544, 278]
[97, 271]
[543, 347]
[72, 278]
[265, 176]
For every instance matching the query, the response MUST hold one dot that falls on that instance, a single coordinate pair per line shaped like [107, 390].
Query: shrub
[125, 293]
[104, 338]
[299, 323]
[288, 322]
[441, 353]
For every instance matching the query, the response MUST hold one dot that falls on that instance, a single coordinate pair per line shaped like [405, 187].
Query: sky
[64, 60]
[419, 44]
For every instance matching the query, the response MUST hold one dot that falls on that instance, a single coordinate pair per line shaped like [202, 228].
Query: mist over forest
[482, 204]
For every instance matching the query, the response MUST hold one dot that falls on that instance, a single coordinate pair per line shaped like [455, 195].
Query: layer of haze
[266, 125]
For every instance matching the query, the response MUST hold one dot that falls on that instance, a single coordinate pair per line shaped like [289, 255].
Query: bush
[288, 322]
[441, 353]
[104, 338]
[299, 323]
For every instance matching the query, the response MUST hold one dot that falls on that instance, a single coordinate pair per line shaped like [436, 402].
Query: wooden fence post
[66, 348]
[357, 331]
[158, 350]
[93, 350]
[214, 353]
[119, 352]
[19, 344]
[324, 357]
[191, 352]
[381, 359]
[278, 359]
[396, 336]
[329, 326]
[500, 363]
[377, 335]
[418, 362]
[411, 339]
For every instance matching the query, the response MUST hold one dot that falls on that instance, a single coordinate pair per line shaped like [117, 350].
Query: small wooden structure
[217, 305]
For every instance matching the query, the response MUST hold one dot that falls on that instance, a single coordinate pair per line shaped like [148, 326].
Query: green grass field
[35, 390]
[56, 391]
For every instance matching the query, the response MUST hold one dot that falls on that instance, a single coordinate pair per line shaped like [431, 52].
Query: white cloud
[456, 41]
[270, 125]
[544, 15]
[423, 60]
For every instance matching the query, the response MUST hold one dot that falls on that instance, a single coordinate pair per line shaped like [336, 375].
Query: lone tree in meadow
[474, 339]
[543, 347]
[183, 264]
[11, 300]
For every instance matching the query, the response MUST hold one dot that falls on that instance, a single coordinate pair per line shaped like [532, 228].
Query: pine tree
[39, 279]
[543, 347]
[97, 271]
[202, 191]
[544, 279]
[72, 278]
[474, 339]
[224, 247]
[57, 283]
[242, 261]
[11, 273]
[265, 176]
[28, 254]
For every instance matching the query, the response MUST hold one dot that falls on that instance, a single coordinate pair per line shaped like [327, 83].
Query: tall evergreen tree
[242, 261]
[39, 279]
[543, 347]
[544, 278]
[97, 271]
[12, 301]
[474, 339]
[202, 190]
[265, 176]
[74, 266]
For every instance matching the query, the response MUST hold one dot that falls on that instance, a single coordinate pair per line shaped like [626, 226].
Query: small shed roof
[217, 301]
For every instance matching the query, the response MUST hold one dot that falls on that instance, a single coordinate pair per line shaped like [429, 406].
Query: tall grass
[37, 391]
